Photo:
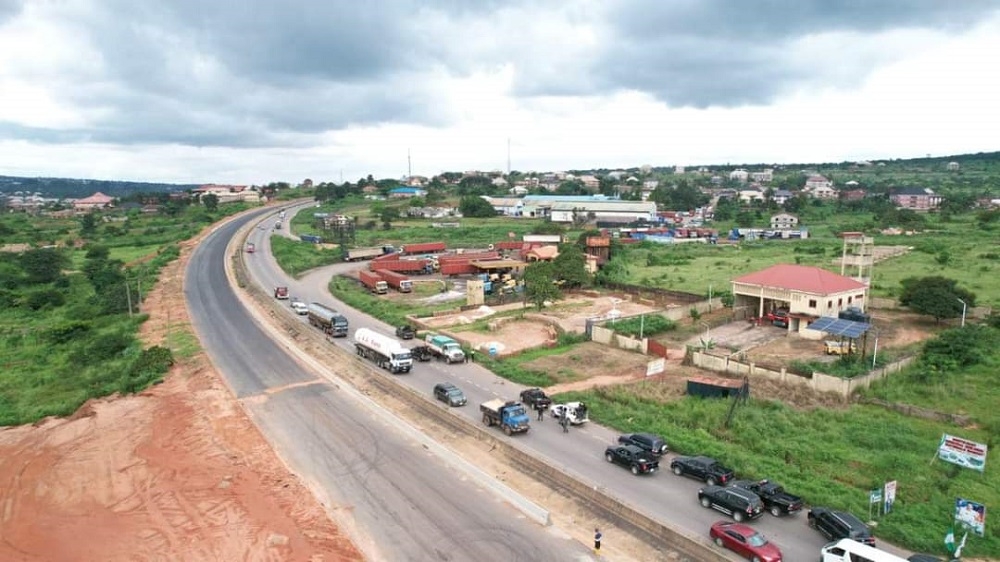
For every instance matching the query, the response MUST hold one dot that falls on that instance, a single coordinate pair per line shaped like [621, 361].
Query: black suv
[702, 468]
[738, 503]
[836, 525]
[645, 441]
[405, 332]
[449, 394]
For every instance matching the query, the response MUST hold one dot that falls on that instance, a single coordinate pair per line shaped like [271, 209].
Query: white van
[849, 550]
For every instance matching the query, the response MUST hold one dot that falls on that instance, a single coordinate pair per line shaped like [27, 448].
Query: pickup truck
[637, 460]
[535, 398]
[575, 412]
[776, 500]
[405, 332]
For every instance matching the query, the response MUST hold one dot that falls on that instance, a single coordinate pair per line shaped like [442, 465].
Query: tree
[538, 284]
[43, 265]
[387, 215]
[87, 225]
[570, 266]
[210, 201]
[475, 206]
[935, 296]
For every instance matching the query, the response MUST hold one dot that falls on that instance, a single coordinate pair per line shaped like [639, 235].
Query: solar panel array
[840, 327]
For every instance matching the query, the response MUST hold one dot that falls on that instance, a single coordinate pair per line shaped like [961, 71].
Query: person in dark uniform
[564, 422]
[541, 411]
[597, 539]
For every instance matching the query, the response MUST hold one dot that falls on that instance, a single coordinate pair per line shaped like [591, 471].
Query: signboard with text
[655, 367]
[964, 453]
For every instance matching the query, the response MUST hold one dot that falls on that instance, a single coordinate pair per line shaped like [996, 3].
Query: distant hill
[77, 188]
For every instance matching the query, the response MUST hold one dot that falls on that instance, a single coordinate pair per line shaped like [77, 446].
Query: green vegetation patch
[295, 257]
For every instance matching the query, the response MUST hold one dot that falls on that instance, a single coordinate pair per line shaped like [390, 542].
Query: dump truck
[398, 281]
[509, 415]
[374, 282]
[446, 348]
[332, 323]
[357, 254]
[281, 293]
[386, 352]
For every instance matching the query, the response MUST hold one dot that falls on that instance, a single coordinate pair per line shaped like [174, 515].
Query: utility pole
[508, 157]
[409, 166]
[128, 296]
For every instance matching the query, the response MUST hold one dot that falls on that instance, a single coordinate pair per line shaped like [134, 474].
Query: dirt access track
[177, 472]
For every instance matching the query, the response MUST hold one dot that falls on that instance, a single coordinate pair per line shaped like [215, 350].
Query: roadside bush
[956, 348]
[65, 332]
[103, 347]
[147, 368]
[649, 325]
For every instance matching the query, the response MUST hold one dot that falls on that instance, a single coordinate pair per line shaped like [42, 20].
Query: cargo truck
[357, 254]
[510, 416]
[327, 319]
[458, 268]
[402, 266]
[386, 352]
[424, 248]
[374, 282]
[397, 281]
[446, 348]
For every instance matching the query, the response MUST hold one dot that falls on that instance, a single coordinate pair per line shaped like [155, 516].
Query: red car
[745, 541]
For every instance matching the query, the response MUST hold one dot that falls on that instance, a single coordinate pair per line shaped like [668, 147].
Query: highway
[665, 497]
[397, 501]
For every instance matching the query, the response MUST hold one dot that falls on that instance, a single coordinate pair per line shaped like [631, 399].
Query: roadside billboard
[971, 515]
[964, 453]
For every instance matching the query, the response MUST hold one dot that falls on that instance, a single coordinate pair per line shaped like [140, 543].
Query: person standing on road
[541, 411]
[472, 355]
[597, 540]
[564, 422]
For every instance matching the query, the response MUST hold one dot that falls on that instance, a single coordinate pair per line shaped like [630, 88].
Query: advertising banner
[971, 515]
[962, 452]
[890, 495]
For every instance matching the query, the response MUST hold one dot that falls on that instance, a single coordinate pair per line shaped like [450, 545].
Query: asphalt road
[665, 497]
[400, 502]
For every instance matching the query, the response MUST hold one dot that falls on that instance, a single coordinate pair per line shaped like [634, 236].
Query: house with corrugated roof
[95, 201]
[805, 293]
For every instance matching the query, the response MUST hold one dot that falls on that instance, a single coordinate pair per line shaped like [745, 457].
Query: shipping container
[405, 266]
[424, 248]
[458, 268]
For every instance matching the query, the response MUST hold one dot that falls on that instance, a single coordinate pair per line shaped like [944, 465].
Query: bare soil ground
[178, 472]
[592, 361]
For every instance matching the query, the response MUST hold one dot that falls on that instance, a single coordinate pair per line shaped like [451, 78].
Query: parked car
[738, 503]
[535, 398]
[405, 332]
[702, 468]
[745, 541]
[836, 525]
[637, 460]
[449, 394]
[776, 500]
[646, 441]
[299, 307]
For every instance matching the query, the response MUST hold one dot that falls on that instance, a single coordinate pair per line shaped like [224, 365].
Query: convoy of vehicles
[384, 351]
[445, 348]
[742, 500]
[509, 415]
[632, 457]
[327, 319]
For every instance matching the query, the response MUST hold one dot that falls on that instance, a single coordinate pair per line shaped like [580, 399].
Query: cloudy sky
[253, 91]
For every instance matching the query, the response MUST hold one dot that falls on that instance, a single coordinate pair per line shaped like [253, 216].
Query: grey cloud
[734, 52]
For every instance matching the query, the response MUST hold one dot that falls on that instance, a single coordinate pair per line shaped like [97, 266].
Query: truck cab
[339, 326]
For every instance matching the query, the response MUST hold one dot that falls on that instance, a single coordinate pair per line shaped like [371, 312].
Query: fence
[820, 382]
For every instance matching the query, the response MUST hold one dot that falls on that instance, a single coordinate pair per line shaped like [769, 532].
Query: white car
[575, 411]
[299, 307]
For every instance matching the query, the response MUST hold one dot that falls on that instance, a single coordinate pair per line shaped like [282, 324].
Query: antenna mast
[409, 166]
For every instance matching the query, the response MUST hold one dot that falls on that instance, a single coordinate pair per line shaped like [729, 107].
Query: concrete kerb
[530, 509]
[594, 496]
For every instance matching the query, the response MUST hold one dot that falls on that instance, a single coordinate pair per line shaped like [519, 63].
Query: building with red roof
[802, 292]
[95, 201]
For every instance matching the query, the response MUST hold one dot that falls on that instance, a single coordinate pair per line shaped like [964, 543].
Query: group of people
[563, 420]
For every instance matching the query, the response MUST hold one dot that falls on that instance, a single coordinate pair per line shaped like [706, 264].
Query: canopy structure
[840, 327]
